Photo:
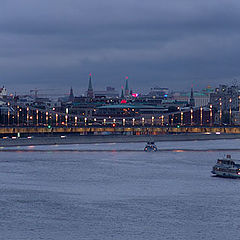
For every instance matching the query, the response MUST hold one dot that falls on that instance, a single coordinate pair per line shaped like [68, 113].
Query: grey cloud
[173, 43]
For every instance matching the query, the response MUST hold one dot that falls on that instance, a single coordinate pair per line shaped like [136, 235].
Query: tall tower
[90, 88]
[192, 101]
[122, 94]
[71, 96]
[126, 88]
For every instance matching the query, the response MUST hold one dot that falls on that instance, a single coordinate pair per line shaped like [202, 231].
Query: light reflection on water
[117, 191]
[232, 144]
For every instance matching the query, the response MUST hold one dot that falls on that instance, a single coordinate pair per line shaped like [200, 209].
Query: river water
[117, 191]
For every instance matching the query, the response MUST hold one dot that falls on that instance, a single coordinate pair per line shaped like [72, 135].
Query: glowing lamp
[135, 95]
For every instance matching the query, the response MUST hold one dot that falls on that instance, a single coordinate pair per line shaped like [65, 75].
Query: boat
[227, 167]
[150, 147]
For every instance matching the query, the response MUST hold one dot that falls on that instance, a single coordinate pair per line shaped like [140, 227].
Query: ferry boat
[226, 167]
[150, 147]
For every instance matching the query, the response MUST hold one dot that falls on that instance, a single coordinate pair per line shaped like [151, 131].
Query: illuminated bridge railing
[152, 130]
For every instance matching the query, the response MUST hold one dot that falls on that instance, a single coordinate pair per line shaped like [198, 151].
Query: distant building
[226, 97]
[3, 92]
[71, 96]
[122, 94]
[199, 98]
[2, 103]
[42, 103]
[191, 100]
[90, 93]
[26, 100]
[159, 92]
[110, 92]
[180, 96]
[130, 110]
[235, 118]
[126, 93]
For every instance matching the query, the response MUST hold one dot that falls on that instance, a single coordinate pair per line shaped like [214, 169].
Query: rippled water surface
[69, 192]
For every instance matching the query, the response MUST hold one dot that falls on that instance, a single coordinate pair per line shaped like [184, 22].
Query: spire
[90, 88]
[192, 101]
[71, 96]
[122, 94]
[126, 88]
[90, 82]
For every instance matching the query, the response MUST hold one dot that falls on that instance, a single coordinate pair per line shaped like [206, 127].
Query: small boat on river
[150, 147]
[227, 167]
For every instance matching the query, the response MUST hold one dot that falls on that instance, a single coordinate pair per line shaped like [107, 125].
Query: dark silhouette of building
[110, 92]
[126, 88]
[226, 97]
[122, 94]
[71, 96]
[192, 100]
[90, 88]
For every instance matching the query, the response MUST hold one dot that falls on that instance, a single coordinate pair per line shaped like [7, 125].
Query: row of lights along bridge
[157, 108]
[35, 117]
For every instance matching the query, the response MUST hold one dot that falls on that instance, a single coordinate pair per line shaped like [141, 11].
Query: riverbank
[58, 140]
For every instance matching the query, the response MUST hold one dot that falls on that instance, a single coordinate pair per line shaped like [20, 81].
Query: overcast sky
[167, 43]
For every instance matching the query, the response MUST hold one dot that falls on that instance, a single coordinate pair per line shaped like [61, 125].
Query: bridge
[120, 130]
[20, 115]
[21, 120]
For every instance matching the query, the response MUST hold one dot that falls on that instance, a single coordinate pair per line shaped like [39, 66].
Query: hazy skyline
[171, 44]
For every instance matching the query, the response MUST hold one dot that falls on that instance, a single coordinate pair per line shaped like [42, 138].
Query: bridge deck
[155, 130]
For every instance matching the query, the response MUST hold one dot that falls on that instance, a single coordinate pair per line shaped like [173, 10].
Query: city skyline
[119, 119]
[81, 91]
[169, 44]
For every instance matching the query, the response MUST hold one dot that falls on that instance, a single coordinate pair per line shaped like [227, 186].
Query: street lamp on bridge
[162, 120]
[230, 111]
[211, 115]
[181, 118]
[239, 103]
[201, 115]
[18, 115]
[56, 119]
[27, 115]
[37, 117]
[220, 113]
[191, 111]
[152, 120]
[46, 117]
